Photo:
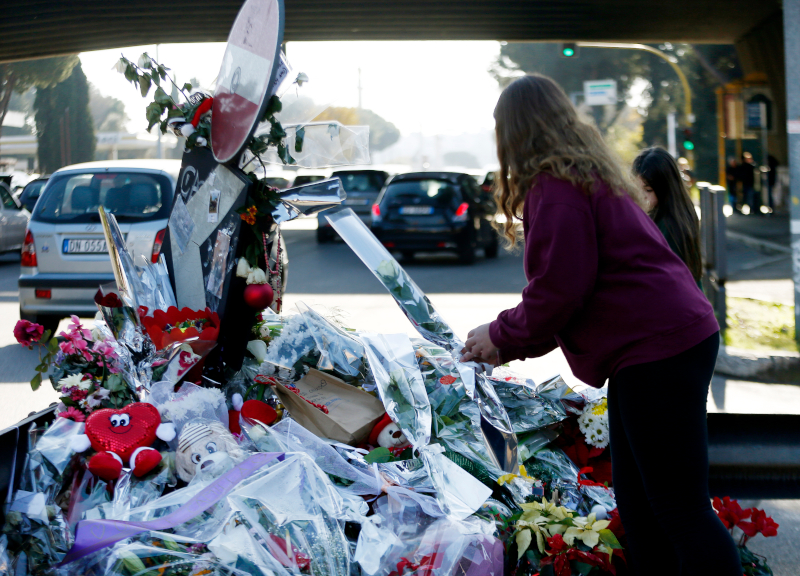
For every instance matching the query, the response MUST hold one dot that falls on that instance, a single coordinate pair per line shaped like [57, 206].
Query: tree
[108, 113]
[20, 76]
[382, 133]
[706, 67]
[63, 123]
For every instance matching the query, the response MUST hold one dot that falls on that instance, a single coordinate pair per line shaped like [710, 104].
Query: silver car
[64, 256]
[13, 221]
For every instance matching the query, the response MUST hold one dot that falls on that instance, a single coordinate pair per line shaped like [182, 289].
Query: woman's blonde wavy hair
[539, 132]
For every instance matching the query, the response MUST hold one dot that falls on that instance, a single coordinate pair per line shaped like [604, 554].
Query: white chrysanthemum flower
[593, 423]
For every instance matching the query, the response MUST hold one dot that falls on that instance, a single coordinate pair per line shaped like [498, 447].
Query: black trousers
[659, 454]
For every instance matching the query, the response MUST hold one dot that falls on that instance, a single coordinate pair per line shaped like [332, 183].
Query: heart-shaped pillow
[124, 430]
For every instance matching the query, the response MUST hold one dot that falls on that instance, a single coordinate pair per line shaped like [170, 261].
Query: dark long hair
[675, 209]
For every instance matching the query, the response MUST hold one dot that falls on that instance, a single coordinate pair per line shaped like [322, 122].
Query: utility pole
[791, 43]
[671, 127]
[688, 116]
[359, 87]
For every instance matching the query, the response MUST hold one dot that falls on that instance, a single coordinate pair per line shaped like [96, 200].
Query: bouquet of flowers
[85, 368]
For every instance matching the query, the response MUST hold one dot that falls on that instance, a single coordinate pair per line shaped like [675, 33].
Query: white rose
[263, 330]
[257, 276]
[242, 268]
[388, 268]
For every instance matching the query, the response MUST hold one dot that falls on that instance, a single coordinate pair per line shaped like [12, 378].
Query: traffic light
[569, 50]
[688, 142]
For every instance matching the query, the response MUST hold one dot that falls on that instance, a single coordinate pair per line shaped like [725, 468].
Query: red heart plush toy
[123, 435]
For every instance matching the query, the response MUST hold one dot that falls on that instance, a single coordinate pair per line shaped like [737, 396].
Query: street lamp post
[687, 92]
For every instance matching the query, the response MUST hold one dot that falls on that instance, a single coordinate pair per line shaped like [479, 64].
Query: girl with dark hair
[605, 287]
[670, 207]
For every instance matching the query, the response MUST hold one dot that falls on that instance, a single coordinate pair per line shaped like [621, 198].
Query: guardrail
[713, 246]
[753, 456]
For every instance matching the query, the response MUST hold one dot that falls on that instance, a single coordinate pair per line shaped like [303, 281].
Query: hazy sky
[433, 87]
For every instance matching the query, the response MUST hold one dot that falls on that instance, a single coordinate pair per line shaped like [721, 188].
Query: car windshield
[367, 181]
[430, 192]
[31, 193]
[130, 196]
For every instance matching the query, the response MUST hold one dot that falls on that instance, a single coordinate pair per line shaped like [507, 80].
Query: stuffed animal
[251, 410]
[207, 448]
[120, 436]
[388, 435]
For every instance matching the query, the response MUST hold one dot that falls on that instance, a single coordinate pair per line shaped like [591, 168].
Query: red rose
[27, 333]
[110, 300]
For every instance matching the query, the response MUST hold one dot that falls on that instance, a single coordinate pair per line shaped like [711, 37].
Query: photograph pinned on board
[213, 206]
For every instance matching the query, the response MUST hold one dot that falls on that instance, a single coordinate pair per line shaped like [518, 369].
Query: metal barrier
[714, 247]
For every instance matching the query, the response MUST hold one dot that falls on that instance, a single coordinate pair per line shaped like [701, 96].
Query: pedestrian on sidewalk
[747, 176]
[604, 286]
[670, 207]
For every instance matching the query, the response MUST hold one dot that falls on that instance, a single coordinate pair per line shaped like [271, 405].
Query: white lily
[258, 348]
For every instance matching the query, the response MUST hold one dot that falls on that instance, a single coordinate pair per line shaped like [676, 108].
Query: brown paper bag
[352, 413]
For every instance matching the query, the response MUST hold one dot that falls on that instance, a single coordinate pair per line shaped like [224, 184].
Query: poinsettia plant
[547, 535]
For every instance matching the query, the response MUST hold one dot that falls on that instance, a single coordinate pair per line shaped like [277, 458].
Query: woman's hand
[479, 347]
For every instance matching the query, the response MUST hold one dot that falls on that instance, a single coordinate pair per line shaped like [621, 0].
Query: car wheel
[323, 236]
[494, 246]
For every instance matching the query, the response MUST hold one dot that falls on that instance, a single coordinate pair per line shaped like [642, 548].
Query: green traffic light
[689, 145]
[568, 52]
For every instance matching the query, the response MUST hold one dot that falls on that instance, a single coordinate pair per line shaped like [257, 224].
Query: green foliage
[706, 67]
[63, 123]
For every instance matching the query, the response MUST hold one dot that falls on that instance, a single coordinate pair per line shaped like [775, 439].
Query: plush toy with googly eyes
[205, 448]
[123, 436]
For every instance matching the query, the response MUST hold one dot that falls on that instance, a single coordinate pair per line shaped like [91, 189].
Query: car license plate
[356, 202]
[416, 210]
[84, 246]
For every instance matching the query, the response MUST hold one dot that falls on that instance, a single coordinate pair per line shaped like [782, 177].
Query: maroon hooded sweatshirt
[603, 284]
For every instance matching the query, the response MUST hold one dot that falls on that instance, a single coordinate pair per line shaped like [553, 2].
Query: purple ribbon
[94, 535]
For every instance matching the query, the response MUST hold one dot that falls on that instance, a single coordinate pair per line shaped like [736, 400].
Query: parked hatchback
[362, 187]
[13, 221]
[33, 189]
[65, 257]
[434, 212]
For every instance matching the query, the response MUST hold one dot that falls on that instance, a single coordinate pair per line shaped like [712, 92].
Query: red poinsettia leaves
[110, 300]
[730, 512]
[616, 524]
[157, 323]
[560, 554]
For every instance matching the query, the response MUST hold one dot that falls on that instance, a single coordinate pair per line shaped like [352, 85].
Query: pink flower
[77, 329]
[77, 395]
[67, 347]
[72, 413]
[105, 350]
[27, 333]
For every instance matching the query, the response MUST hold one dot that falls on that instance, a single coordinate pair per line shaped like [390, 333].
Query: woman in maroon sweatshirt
[605, 287]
